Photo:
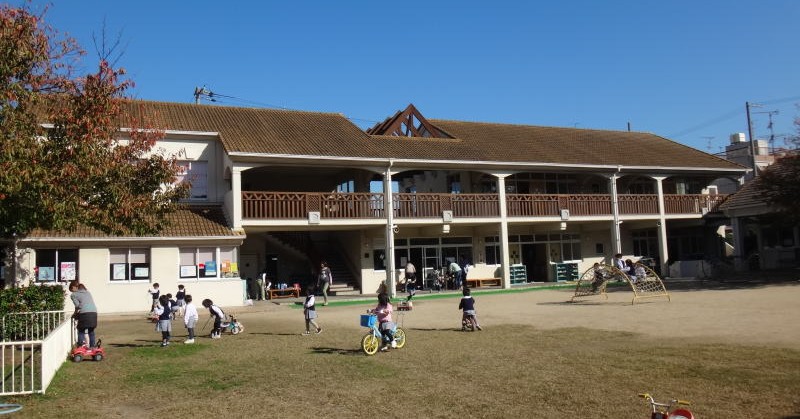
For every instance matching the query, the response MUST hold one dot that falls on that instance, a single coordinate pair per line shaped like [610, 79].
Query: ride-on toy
[665, 410]
[234, 326]
[85, 352]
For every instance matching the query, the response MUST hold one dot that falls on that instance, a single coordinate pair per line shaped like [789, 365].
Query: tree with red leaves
[70, 151]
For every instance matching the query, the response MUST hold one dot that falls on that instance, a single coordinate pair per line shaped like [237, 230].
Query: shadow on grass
[274, 334]
[146, 343]
[337, 351]
[433, 329]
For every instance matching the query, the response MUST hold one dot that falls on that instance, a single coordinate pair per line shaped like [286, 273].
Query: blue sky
[680, 69]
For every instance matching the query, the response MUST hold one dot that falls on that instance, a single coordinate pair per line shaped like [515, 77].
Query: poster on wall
[188, 271]
[118, 271]
[47, 273]
[211, 268]
[141, 271]
[67, 271]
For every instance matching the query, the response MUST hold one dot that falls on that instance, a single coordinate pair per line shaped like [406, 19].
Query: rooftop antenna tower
[708, 143]
[771, 130]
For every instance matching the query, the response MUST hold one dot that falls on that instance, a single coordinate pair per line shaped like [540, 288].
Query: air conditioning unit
[564, 214]
[313, 217]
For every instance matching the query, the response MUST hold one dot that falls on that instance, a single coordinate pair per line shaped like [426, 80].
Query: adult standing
[324, 281]
[259, 287]
[464, 264]
[85, 312]
[411, 280]
[456, 271]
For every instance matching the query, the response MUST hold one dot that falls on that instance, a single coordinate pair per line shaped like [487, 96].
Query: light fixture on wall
[563, 225]
[445, 228]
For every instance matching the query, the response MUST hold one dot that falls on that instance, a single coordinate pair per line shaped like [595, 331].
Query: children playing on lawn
[218, 315]
[180, 298]
[164, 325]
[467, 304]
[310, 312]
[154, 294]
[189, 318]
[599, 276]
[385, 324]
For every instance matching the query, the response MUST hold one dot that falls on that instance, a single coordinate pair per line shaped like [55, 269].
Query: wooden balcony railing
[297, 205]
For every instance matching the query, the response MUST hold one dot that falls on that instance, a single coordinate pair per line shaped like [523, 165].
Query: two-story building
[278, 191]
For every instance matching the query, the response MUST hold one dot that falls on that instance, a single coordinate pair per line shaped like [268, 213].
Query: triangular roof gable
[407, 123]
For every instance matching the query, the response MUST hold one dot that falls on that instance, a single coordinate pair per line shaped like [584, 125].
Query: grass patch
[507, 370]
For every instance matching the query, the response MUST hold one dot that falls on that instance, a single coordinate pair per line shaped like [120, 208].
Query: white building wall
[199, 150]
[131, 296]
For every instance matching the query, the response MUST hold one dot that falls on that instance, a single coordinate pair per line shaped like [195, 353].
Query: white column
[501, 190]
[389, 209]
[663, 252]
[236, 197]
[617, 238]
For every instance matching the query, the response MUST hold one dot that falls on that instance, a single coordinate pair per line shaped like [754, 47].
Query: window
[56, 265]
[348, 186]
[196, 173]
[129, 264]
[208, 262]
[379, 260]
[645, 242]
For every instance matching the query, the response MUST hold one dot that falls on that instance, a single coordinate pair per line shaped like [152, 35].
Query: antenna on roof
[709, 145]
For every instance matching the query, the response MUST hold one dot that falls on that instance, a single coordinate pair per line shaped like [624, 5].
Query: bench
[284, 293]
[483, 282]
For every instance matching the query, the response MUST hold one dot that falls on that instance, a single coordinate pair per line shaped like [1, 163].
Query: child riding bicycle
[384, 312]
[468, 318]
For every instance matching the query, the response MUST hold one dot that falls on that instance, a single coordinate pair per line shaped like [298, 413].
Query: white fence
[33, 348]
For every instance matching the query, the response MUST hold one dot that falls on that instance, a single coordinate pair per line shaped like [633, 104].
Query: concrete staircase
[340, 288]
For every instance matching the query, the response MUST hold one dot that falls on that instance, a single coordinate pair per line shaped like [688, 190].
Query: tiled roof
[193, 221]
[749, 195]
[281, 132]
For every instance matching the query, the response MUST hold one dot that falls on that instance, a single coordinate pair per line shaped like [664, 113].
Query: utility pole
[752, 140]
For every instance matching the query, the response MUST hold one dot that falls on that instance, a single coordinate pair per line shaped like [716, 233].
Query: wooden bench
[284, 293]
[483, 282]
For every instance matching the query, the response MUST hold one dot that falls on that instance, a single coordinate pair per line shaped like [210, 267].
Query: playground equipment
[644, 283]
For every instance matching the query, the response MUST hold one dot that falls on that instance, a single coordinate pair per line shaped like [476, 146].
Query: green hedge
[27, 299]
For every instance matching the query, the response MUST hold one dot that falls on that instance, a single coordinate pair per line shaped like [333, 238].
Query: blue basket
[369, 320]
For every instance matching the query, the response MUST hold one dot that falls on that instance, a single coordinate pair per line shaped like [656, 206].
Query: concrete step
[350, 291]
[343, 289]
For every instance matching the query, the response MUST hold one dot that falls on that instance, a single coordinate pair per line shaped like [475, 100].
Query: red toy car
[405, 306]
[85, 352]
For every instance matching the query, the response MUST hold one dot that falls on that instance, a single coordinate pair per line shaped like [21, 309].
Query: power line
[730, 115]
[204, 93]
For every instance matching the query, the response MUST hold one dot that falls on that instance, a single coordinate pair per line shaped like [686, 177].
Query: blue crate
[369, 320]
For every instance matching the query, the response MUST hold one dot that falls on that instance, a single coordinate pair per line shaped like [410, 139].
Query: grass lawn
[506, 371]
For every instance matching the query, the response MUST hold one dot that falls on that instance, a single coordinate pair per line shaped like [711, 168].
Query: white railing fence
[33, 348]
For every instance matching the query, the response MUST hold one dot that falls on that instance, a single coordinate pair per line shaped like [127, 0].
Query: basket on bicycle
[369, 320]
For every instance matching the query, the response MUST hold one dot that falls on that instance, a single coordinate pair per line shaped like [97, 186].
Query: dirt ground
[750, 314]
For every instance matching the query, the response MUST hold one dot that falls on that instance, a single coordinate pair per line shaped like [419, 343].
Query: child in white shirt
[189, 318]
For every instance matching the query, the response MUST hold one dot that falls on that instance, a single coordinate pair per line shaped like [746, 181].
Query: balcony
[343, 206]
